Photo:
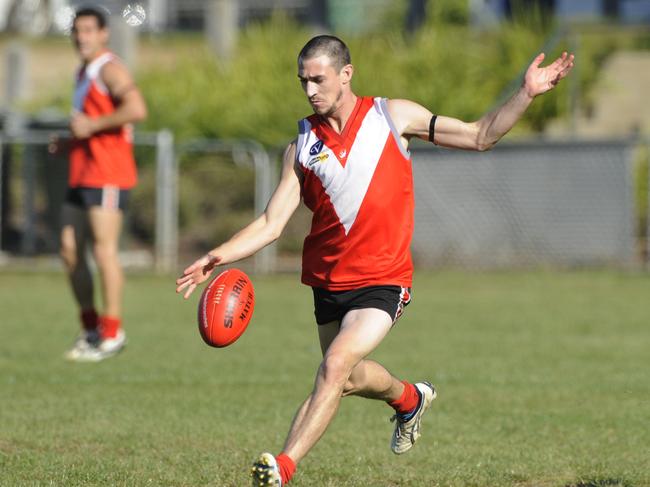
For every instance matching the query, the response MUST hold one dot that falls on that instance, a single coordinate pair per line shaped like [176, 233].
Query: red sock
[108, 326]
[89, 319]
[408, 401]
[287, 467]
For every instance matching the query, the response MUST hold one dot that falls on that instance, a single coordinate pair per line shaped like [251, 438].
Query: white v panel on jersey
[347, 183]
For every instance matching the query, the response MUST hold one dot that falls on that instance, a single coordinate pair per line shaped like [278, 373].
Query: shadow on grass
[601, 483]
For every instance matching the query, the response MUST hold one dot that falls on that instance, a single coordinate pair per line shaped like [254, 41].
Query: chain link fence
[528, 204]
[33, 183]
[560, 204]
[207, 188]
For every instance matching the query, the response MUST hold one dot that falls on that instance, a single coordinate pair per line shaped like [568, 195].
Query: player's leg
[106, 226]
[371, 380]
[74, 239]
[326, 334]
[360, 333]
[368, 378]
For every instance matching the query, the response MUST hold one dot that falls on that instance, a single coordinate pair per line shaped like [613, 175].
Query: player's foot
[106, 348]
[265, 472]
[85, 341]
[407, 427]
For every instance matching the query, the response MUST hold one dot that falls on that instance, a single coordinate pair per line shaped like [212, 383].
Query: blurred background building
[40, 17]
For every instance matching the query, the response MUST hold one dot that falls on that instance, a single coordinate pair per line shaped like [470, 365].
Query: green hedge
[448, 67]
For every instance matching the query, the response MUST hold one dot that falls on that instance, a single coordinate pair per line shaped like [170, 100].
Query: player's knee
[355, 380]
[350, 388]
[68, 254]
[335, 370]
[104, 254]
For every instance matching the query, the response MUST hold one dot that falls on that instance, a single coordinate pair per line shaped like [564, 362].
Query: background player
[102, 171]
[351, 166]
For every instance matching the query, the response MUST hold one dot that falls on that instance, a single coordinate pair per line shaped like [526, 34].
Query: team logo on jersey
[316, 148]
[319, 158]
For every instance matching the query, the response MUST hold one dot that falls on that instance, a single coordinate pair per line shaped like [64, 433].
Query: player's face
[322, 83]
[88, 37]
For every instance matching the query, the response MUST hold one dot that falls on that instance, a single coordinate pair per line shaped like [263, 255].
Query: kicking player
[102, 172]
[351, 166]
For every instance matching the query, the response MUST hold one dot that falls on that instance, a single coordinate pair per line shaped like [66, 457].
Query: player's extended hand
[539, 80]
[196, 273]
[82, 126]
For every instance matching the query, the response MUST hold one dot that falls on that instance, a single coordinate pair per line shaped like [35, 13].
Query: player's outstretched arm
[258, 234]
[413, 120]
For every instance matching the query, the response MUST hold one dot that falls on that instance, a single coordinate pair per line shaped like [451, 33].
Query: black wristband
[432, 127]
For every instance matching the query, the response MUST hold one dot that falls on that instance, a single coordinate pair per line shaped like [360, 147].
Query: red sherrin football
[225, 308]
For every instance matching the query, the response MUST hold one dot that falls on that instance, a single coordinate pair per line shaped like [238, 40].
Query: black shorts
[333, 305]
[109, 197]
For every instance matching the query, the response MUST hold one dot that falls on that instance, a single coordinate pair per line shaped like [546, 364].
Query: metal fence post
[166, 203]
[17, 76]
[124, 40]
[28, 244]
[647, 214]
[574, 82]
[265, 258]
[221, 26]
[242, 151]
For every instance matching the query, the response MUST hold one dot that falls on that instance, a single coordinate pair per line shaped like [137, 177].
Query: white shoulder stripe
[95, 66]
[381, 105]
[88, 75]
[304, 127]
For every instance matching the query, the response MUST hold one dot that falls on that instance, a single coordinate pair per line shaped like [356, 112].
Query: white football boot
[407, 431]
[106, 348]
[265, 472]
[85, 341]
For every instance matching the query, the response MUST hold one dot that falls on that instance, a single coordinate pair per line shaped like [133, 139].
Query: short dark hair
[331, 46]
[100, 16]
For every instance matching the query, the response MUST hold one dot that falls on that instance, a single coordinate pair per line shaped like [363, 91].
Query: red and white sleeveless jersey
[359, 186]
[106, 158]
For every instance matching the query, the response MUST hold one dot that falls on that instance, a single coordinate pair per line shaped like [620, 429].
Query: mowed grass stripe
[542, 378]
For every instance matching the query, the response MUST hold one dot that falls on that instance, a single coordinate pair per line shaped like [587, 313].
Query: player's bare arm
[130, 108]
[413, 120]
[258, 234]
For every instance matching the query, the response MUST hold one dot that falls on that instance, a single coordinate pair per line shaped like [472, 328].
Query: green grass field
[543, 380]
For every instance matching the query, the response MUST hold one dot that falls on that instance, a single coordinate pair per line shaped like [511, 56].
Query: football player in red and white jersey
[351, 166]
[102, 172]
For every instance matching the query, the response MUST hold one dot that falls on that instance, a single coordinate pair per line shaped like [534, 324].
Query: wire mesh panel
[221, 184]
[34, 185]
[224, 185]
[32, 196]
[216, 199]
[526, 204]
